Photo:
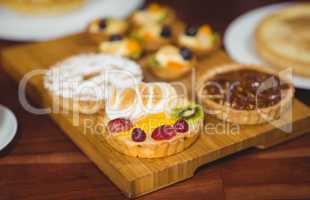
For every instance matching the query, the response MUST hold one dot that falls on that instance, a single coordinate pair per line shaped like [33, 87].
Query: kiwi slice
[191, 113]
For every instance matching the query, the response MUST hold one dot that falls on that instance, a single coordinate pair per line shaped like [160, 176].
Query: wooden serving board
[136, 176]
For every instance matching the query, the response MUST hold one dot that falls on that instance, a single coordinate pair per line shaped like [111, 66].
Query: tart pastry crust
[227, 113]
[174, 66]
[283, 39]
[149, 147]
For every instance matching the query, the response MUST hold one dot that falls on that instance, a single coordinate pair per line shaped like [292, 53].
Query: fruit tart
[153, 36]
[245, 94]
[101, 29]
[123, 46]
[151, 121]
[201, 40]
[171, 63]
[153, 14]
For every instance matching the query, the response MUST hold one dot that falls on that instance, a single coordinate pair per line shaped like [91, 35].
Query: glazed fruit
[116, 37]
[181, 126]
[119, 125]
[191, 30]
[164, 132]
[138, 135]
[186, 53]
[166, 32]
[191, 113]
[102, 24]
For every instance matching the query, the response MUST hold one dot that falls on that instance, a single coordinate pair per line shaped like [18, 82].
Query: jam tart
[171, 63]
[151, 121]
[245, 94]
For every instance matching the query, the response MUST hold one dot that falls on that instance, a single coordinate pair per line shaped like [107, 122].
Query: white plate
[21, 27]
[239, 39]
[8, 126]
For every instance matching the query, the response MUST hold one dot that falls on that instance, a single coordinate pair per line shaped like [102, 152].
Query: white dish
[15, 26]
[239, 39]
[8, 126]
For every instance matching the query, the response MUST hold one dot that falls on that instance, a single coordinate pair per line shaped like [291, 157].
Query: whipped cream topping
[154, 98]
[169, 54]
[90, 76]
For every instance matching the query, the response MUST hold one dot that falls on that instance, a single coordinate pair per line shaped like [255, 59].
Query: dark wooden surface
[42, 163]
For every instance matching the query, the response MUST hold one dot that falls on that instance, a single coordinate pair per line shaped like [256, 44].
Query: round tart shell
[274, 58]
[156, 149]
[249, 117]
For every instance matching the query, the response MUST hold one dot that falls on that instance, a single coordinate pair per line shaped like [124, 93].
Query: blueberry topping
[116, 37]
[186, 53]
[191, 30]
[102, 24]
[138, 135]
[166, 32]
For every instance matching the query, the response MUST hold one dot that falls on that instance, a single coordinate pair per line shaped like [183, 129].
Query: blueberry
[186, 53]
[166, 32]
[102, 24]
[191, 30]
[116, 37]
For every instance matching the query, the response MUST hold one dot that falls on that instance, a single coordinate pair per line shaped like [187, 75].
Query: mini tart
[81, 83]
[246, 104]
[101, 29]
[153, 36]
[171, 63]
[153, 14]
[46, 7]
[283, 38]
[118, 45]
[201, 40]
[153, 117]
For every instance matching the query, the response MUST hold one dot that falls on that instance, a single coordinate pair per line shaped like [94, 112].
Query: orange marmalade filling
[149, 123]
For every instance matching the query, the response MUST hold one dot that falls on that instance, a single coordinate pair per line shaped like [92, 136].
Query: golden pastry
[153, 14]
[151, 121]
[245, 94]
[283, 39]
[102, 29]
[201, 40]
[171, 63]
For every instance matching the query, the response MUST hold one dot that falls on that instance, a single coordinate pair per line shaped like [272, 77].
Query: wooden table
[42, 163]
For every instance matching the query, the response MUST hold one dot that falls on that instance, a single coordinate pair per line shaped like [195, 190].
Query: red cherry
[119, 125]
[138, 135]
[181, 126]
[164, 132]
